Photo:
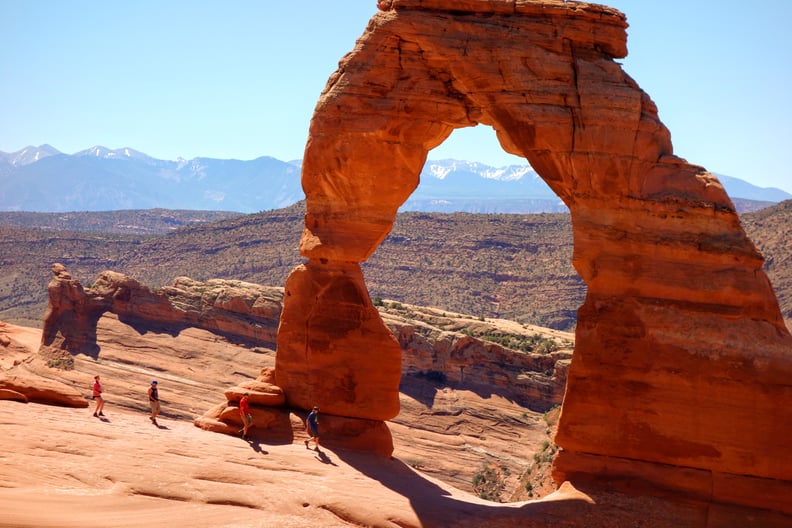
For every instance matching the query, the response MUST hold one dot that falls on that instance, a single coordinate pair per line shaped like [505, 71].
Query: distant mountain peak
[29, 154]
[440, 169]
[99, 151]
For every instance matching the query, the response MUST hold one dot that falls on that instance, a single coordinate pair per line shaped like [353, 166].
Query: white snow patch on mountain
[510, 173]
[439, 171]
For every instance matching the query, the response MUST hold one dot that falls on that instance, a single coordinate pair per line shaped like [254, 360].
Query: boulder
[38, 389]
[263, 394]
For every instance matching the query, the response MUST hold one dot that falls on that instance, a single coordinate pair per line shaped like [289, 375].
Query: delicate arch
[680, 336]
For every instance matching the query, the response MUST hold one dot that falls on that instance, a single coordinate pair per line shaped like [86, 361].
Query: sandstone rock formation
[682, 365]
[39, 389]
[334, 350]
[533, 380]
[19, 382]
[262, 390]
[272, 420]
[235, 309]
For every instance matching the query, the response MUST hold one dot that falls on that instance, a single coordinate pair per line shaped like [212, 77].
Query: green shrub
[488, 483]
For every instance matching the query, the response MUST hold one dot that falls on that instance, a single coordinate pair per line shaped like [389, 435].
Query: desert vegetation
[516, 267]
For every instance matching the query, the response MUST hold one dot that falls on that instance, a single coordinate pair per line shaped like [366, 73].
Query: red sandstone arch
[682, 368]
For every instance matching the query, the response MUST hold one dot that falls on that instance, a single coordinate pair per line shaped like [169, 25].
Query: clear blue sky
[185, 78]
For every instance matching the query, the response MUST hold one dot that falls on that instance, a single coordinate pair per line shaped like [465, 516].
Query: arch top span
[676, 293]
[544, 82]
[607, 31]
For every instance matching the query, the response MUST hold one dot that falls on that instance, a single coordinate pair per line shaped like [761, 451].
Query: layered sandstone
[334, 350]
[682, 363]
[20, 382]
[531, 379]
[234, 309]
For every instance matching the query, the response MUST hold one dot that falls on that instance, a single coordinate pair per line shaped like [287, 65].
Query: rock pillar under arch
[334, 351]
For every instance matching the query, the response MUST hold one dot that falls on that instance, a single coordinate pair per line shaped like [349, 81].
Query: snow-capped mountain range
[42, 179]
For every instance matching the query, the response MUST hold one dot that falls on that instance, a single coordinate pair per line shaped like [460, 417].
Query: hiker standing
[312, 428]
[247, 417]
[154, 402]
[97, 397]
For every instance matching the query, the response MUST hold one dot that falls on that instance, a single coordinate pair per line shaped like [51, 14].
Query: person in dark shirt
[312, 428]
[154, 402]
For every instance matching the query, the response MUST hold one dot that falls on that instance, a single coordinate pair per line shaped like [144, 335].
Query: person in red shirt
[247, 418]
[97, 396]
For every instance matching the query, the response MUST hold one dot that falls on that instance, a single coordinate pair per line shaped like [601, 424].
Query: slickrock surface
[61, 467]
[490, 414]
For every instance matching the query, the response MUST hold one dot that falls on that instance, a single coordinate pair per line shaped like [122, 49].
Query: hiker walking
[312, 428]
[247, 417]
[97, 397]
[154, 402]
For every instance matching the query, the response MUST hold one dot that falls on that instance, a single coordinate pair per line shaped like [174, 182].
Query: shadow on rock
[436, 507]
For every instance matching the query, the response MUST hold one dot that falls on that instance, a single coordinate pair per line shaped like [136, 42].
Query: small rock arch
[680, 337]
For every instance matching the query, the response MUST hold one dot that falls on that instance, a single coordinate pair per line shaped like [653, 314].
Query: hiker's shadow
[256, 446]
[324, 459]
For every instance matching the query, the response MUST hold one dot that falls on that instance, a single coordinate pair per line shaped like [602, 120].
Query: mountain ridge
[42, 179]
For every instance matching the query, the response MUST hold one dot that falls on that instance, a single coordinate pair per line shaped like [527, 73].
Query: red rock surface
[233, 308]
[682, 363]
[680, 379]
[62, 467]
[334, 350]
[449, 432]
[534, 380]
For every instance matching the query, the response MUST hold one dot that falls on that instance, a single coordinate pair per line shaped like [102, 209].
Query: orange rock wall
[237, 309]
[682, 359]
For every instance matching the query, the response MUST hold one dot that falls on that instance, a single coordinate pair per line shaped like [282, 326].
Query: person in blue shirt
[312, 428]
